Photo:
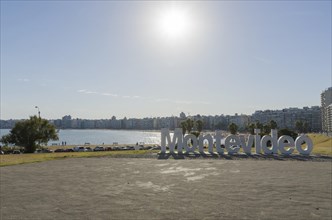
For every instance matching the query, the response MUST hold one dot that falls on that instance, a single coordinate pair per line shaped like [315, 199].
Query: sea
[99, 137]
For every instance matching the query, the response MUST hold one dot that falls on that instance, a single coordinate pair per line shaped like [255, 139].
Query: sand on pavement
[127, 188]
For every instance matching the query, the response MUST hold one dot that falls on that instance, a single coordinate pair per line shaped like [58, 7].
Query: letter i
[258, 141]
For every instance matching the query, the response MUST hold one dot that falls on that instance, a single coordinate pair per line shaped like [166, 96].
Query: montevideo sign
[232, 143]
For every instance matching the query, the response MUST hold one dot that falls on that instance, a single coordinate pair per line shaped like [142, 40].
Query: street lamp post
[39, 120]
[38, 111]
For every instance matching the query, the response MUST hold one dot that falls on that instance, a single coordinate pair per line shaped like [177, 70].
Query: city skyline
[310, 117]
[148, 59]
[37, 112]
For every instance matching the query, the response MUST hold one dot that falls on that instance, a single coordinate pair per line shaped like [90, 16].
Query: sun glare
[174, 23]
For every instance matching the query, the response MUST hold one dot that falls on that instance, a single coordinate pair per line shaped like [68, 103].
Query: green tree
[199, 125]
[301, 126]
[251, 127]
[221, 126]
[259, 125]
[273, 124]
[288, 132]
[183, 125]
[189, 125]
[196, 133]
[232, 128]
[30, 133]
[266, 129]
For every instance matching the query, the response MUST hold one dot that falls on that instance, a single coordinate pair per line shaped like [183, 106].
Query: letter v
[247, 146]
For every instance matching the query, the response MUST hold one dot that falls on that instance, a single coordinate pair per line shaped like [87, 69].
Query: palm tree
[183, 125]
[273, 124]
[251, 127]
[199, 125]
[232, 128]
[189, 125]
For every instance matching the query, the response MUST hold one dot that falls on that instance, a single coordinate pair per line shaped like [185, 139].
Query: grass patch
[322, 144]
[13, 159]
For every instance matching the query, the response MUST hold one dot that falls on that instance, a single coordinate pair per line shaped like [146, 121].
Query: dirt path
[128, 188]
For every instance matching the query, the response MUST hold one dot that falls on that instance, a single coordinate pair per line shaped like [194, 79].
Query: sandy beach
[129, 188]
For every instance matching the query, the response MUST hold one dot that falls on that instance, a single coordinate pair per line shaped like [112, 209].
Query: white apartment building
[286, 118]
[326, 101]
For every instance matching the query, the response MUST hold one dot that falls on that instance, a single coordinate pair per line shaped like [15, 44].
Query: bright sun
[174, 23]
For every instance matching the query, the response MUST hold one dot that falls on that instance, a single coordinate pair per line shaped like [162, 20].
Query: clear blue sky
[96, 59]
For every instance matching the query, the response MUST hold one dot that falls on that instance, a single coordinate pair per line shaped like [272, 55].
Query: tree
[232, 128]
[196, 133]
[199, 125]
[189, 125]
[301, 127]
[273, 124]
[31, 133]
[266, 129]
[251, 127]
[221, 126]
[259, 125]
[183, 125]
[288, 132]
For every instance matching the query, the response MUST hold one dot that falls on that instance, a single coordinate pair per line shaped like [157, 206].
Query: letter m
[166, 137]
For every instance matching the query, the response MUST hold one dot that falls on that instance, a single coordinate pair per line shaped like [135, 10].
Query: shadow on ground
[298, 157]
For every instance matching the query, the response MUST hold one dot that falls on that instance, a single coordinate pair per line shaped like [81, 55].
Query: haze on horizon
[147, 59]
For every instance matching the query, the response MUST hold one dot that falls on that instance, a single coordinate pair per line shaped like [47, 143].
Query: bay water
[98, 137]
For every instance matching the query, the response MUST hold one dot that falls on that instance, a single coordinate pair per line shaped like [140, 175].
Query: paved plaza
[129, 188]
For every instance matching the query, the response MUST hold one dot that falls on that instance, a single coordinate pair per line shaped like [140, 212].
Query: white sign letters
[232, 143]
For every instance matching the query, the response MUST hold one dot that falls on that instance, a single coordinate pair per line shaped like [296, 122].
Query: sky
[135, 59]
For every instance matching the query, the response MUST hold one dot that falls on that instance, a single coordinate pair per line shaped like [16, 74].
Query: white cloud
[109, 94]
[185, 102]
[90, 92]
[23, 80]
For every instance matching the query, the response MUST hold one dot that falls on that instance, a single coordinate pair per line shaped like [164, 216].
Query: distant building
[115, 124]
[326, 101]
[66, 122]
[315, 118]
[329, 118]
[8, 124]
[240, 120]
[286, 118]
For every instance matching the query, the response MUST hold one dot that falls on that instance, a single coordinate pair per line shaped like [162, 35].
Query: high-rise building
[326, 101]
[329, 118]
[287, 118]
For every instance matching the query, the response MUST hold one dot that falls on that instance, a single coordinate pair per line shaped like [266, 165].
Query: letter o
[307, 140]
[185, 142]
